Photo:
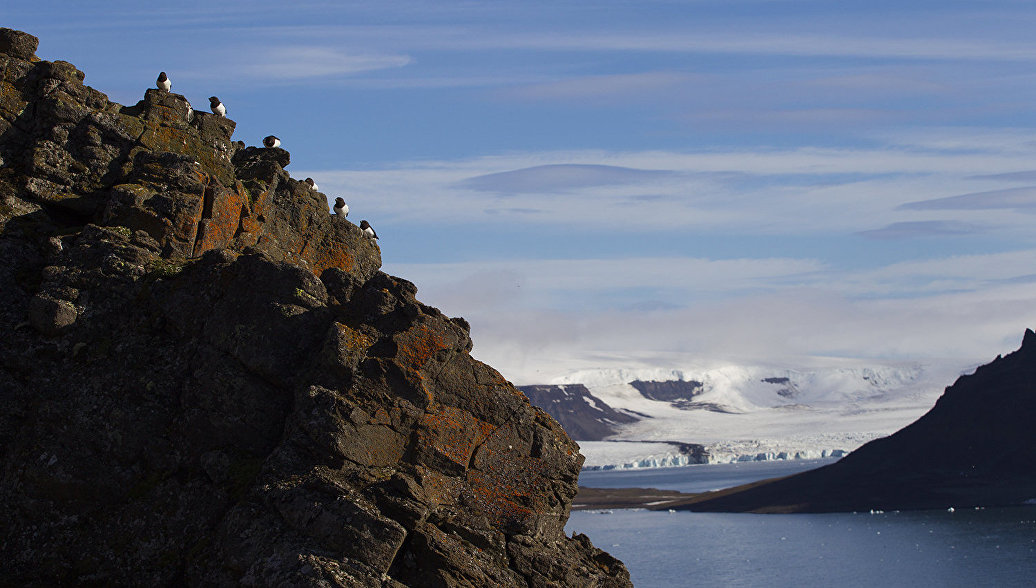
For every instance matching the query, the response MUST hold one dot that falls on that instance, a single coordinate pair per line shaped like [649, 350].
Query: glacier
[760, 412]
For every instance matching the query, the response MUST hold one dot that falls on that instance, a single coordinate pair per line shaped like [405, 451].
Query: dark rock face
[679, 393]
[584, 416]
[786, 389]
[975, 447]
[205, 378]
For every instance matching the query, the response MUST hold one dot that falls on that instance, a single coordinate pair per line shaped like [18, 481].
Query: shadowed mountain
[583, 416]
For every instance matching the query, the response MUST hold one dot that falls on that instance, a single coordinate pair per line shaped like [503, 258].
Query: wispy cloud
[1011, 198]
[912, 229]
[1027, 176]
[601, 88]
[790, 191]
[559, 177]
[295, 63]
[787, 44]
[546, 281]
[681, 38]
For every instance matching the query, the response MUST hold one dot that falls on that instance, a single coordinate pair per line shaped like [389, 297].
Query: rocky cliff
[205, 378]
[976, 447]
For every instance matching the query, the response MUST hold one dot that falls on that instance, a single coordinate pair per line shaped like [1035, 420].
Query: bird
[271, 142]
[217, 106]
[368, 229]
[342, 209]
[312, 184]
[163, 82]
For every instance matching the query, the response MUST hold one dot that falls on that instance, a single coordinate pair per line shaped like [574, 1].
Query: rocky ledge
[205, 378]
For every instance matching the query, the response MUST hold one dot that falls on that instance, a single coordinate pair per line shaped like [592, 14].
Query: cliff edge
[205, 378]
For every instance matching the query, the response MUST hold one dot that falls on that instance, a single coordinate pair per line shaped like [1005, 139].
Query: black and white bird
[342, 209]
[217, 106]
[163, 82]
[271, 142]
[313, 185]
[368, 229]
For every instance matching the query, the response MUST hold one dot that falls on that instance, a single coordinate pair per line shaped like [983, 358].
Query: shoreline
[622, 498]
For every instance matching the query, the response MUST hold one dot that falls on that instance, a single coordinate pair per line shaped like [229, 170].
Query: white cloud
[545, 283]
[790, 328]
[604, 87]
[909, 230]
[786, 39]
[1011, 198]
[952, 273]
[545, 315]
[297, 62]
[560, 177]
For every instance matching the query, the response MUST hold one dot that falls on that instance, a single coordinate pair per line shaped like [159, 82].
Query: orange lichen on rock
[440, 488]
[453, 434]
[350, 340]
[323, 255]
[505, 490]
[221, 218]
[418, 345]
[345, 347]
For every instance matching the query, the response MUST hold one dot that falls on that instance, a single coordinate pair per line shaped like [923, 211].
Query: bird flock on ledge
[271, 142]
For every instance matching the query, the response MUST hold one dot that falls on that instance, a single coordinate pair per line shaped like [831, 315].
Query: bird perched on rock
[313, 184]
[217, 106]
[368, 229]
[342, 209]
[271, 142]
[163, 82]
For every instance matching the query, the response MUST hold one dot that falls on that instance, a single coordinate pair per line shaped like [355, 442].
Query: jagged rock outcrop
[205, 378]
[975, 447]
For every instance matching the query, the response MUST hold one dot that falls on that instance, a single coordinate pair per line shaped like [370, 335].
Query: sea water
[965, 547]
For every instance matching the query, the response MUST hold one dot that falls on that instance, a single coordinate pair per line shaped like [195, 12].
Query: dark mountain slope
[584, 416]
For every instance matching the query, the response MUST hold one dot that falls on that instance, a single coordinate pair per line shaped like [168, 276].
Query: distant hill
[583, 416]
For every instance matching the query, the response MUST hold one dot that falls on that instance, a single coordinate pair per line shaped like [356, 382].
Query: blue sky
[729, 180]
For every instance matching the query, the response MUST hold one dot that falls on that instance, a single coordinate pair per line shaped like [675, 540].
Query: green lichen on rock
[166, 268]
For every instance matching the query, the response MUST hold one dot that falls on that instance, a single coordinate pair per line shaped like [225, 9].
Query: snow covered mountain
[582, 415]
[741, 412]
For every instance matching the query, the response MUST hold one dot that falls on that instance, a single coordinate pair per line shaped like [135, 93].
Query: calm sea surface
[967, 548]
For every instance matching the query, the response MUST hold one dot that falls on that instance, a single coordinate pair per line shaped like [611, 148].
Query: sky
[653, 182]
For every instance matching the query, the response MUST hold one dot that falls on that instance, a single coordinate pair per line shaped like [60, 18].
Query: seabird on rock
[312, 184]
[271, 142]
[163, 82]
[217, 106]
[342, 209]
[368, 229]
